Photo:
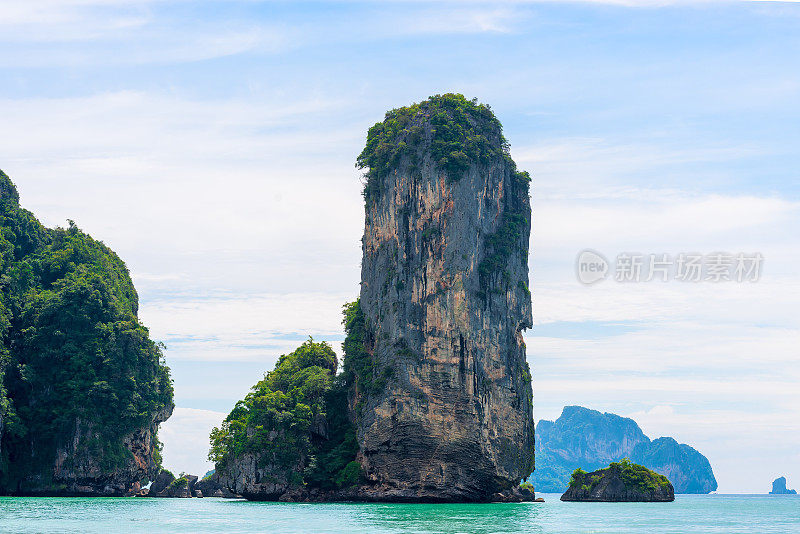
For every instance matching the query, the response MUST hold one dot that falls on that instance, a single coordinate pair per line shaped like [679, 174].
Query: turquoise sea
[689, 513]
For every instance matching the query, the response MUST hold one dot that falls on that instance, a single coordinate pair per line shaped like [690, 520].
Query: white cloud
[244, 327]
[459, 19]
[185, 439]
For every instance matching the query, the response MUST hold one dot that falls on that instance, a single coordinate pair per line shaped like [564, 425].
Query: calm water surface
[689, 513]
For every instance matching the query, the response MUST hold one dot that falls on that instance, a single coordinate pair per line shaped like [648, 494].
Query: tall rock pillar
[445, 297]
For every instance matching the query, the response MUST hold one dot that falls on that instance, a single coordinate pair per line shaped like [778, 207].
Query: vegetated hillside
[292, 433]
[83, 386]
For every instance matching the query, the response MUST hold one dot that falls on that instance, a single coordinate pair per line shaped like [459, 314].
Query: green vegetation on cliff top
[73, 351]
[460, 132]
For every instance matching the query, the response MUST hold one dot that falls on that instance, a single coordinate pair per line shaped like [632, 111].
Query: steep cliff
[434, 400]
[84, 388]
[687, 469]
[445, 298]
[588, 439]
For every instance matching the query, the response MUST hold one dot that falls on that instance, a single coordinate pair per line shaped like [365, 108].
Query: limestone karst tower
[445, 297]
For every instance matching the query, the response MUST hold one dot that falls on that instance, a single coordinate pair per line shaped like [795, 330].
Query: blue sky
[212, 145]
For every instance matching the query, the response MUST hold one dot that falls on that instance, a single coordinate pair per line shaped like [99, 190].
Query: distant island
[588, 439]
[779, 487]
[83, 388]
[621, 481]
[433, 400]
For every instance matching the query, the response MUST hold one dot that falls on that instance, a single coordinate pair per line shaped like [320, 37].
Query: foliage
[76, 354]
[350, 475]
[274, 421]
[639, 476]
[178, 484]
[633, 476]
[458, 132]
[507, 239]
[360, 371]
[577, 477]
[275, 418]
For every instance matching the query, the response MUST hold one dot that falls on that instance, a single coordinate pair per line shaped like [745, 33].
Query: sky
[212, 146]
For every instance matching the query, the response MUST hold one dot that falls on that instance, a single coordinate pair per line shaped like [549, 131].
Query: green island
[295, 420]
[620, 481]
[82, 385]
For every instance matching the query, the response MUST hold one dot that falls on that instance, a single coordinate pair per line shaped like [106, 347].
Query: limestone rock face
[79, 473]
[445, 297]
[211, 487]
[253, 481]
[687, 469]
[160, 483]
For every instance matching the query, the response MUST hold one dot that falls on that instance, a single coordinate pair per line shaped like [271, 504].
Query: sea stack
[433, 401]
[445, 297]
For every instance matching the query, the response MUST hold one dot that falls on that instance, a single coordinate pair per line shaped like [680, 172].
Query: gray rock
[191, 481]
[446, 312]
[166, 485]
[161, 482]
[210, 487]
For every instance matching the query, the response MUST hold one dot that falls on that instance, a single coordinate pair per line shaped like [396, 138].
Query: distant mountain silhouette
[779, 487]
[589, 439]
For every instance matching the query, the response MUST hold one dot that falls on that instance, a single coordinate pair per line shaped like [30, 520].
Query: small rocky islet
[619, 482]
[779, 487]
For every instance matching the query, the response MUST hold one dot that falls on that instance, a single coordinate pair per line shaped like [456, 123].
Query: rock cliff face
[620, 482]
[82, 387]
[588, 439]
[445, 297]
[79, 471]
[256, 480]
[433, 401]
[687, 469]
